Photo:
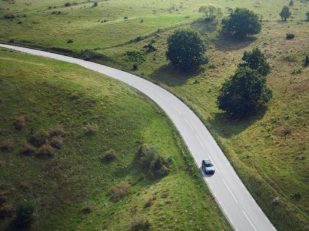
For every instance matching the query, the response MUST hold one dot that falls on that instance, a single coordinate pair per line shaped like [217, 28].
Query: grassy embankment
[95, 114]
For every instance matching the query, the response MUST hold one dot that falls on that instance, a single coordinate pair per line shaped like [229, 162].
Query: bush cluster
[150, 160]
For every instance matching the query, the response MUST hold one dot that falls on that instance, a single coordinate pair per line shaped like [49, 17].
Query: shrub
[67, 4]
[19, 122]
[27, 150]
[119, 191]
[135, 56]
[95, 4]
[285, 13]
[125, 18]
[306, 63]
[243, 93]
[149, 159]
[9, 16]
[6, 211]
[256, 60]
[24, 215]
[70, 41]
[241, 23]
[109, 155]
[140, 224]
[86, 210]
[210, 12]
[149, 48]
[45, 151]
[39, 138]
[290, 36]
[149, 202]
[186, 50]
[134, 67]
[56, 142]
[57, 131]
[91, 129]
[296, 196]
[307, 14]
[7, 146]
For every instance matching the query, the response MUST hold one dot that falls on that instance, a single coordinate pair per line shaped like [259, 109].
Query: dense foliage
[243, 93]
[186, 50]
[256, 60]
[241, 23]
[285, 13]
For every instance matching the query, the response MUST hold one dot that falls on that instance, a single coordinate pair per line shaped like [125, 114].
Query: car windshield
[208, 164]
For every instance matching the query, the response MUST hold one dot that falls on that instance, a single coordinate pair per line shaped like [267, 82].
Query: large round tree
[186, 50]
[241, 23]
[243, 93]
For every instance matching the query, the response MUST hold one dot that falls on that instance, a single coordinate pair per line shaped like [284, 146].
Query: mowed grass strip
[71, 185]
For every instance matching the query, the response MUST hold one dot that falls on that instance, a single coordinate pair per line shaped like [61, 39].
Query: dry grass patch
[109, 155]
[19, 122]
[27, 150]
[7, 146]
[45, 151]
[119, 191]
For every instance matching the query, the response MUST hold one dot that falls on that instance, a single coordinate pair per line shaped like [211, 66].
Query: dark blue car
[207, 167]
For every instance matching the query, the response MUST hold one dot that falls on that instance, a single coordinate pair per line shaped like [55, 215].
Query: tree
[285, 13]
[307, 14]
[186, 50]
[256, 60]
[243, 93]
[291, 3]
[241, 23]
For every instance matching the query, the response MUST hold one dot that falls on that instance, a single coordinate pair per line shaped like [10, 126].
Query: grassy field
[269, 151]
[52, 95]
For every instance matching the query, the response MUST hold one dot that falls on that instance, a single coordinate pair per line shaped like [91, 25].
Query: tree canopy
[243, 93]
[241, 23]
[285, 13]
[256, 60]
[186, 50]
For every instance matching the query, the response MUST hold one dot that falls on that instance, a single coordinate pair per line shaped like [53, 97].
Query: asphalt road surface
[232, 196]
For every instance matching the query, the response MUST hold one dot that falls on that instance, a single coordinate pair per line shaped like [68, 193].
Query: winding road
[232, 196]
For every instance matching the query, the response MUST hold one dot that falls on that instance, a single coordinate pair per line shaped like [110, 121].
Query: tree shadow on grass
[225, 43]
[170, 76]
[203, 26]
[227, 127]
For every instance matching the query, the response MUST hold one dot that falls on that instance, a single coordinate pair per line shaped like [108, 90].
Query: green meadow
[270, 150]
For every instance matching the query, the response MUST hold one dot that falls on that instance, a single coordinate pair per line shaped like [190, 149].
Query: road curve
[232, 196]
